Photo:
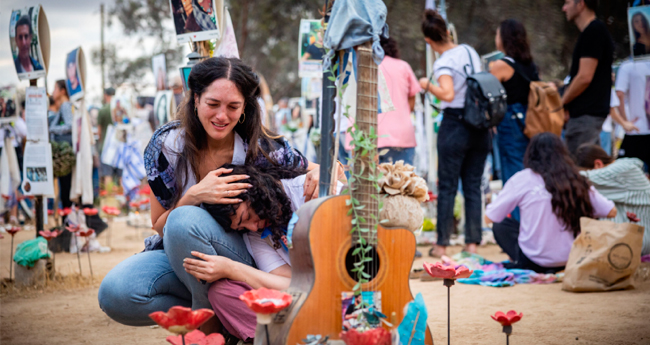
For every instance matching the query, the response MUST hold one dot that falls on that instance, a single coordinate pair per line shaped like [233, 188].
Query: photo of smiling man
[25, 45]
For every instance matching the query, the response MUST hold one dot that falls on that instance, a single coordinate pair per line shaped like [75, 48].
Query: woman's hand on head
[207, 267]
[217, 189]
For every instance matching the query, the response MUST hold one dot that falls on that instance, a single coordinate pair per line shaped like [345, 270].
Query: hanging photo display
[75, 72]
[488, 59]
[310, 49]
[36, 103]
[37, 169]
[159, 72]
[196, 20]
[163, 106]
[29, 37]
[638, 19]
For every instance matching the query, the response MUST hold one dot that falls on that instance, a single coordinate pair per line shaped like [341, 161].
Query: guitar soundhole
[371, 268]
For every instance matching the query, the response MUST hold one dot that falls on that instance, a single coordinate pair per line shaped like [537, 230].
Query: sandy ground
[71, 315]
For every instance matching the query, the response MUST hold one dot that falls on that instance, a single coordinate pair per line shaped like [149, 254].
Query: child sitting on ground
[622, 181]
[551, 196]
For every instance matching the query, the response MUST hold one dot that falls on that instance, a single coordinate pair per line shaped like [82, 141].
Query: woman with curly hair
[262, 217]
[552, 196]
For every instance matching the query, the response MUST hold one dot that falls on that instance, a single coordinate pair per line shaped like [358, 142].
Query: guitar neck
[366, 120]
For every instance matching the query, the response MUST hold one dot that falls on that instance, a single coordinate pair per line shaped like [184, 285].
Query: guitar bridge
[281, 316]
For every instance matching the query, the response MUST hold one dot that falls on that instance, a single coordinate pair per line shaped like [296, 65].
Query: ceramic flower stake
[265, 303]
[12, 231]
[181, 320]
[50, 235]
[86, 234]
[449, 274]
[506, 320]
[197, 337]
[111, 212]
[73, 229]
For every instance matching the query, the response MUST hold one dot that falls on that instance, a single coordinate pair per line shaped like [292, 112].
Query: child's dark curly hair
[267, 197]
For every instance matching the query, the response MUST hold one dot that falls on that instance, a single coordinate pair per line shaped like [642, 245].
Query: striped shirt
[624, 183]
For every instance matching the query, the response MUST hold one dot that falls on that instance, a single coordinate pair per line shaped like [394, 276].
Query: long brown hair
[195, 136]
[515, 41]
[548, 156]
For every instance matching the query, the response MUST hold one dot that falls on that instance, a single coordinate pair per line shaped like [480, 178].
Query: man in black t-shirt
[586, 99]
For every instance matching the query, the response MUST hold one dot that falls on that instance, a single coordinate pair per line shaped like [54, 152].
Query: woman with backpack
[462, 149]
[515, 72]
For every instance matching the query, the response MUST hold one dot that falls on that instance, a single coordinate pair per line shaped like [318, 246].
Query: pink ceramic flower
[375, 336]
[508, 318]
[49, 234]
[90, 211]
[197, 337]
[438, 270]
[265, 302]
[64, 212]
[111, 211]
[181, 320]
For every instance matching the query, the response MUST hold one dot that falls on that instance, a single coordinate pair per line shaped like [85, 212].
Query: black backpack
[485, 100]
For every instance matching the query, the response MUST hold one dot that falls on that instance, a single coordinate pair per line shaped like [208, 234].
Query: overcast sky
[72, 23]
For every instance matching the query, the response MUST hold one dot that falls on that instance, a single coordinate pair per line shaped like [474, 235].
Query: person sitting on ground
[552, 196]
[262, 217]
[622, 181]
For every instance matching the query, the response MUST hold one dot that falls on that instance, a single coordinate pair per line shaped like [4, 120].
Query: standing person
[586, 99]
[104, 119]
[631, 88]
[61, 131]
[515, 72]
[552, 196]
[462, 149]
[219, 124]
[16, 132]
[395, 129]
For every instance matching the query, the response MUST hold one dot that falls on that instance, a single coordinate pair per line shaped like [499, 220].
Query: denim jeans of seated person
[156, 281]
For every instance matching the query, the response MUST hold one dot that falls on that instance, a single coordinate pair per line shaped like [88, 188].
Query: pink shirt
[402, 84]
[542, 236]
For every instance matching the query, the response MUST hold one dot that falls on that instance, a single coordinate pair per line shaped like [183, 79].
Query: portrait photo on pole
[159, 67]
[30, 42]
[310, 49]
[638, 19]
[196, 20]
[164, 106]
[74, 74]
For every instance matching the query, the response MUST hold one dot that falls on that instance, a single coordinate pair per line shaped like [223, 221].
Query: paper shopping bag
[604, 256]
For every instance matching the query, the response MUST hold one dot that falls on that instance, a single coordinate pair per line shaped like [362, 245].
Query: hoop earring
[242, 118]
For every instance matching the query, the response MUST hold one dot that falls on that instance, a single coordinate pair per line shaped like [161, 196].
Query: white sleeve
[614, 102]
[623, 78]
[441, 67]
[266, 257]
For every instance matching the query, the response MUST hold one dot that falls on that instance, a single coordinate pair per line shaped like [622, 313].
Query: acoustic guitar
[322, 258]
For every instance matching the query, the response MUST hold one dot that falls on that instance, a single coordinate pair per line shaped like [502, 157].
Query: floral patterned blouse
[167, 142]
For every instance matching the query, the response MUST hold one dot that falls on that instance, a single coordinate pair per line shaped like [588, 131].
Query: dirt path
[551, 316]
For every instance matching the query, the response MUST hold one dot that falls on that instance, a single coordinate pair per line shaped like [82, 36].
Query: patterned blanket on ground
[488, 273]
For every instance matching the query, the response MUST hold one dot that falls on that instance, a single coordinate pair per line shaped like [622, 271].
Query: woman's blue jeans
[156, 281]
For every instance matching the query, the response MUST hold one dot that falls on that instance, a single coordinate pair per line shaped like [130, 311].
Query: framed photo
[488, 59]
[159, 71]
[310, 49]
[638, 19]
[352, 306]
[164, 106]
[74, 72]
[196, 20]
[29, 37]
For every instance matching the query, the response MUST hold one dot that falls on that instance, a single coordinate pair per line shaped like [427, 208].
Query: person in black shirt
[586, 99]
[515, 72]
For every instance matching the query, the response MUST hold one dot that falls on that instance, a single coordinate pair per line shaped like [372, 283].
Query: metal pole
[38, 199]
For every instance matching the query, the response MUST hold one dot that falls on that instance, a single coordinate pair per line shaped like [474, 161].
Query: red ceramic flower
[438, 270]
[181, 320]
[64, 212]
[375, 336]
[632, 217]
[111, 211]
[13, 230]
[197, 337]
[49, 234]
[135, 204]
[266, 301]
[50, 212]
[146, 190]
[508, 318]
[90, 211]
[73, 228]
[103, 193]
[86, 233]
[144, 201]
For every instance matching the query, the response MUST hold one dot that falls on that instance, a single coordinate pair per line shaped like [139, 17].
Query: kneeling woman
[552, 196]
[219, 123]
[263, 217]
